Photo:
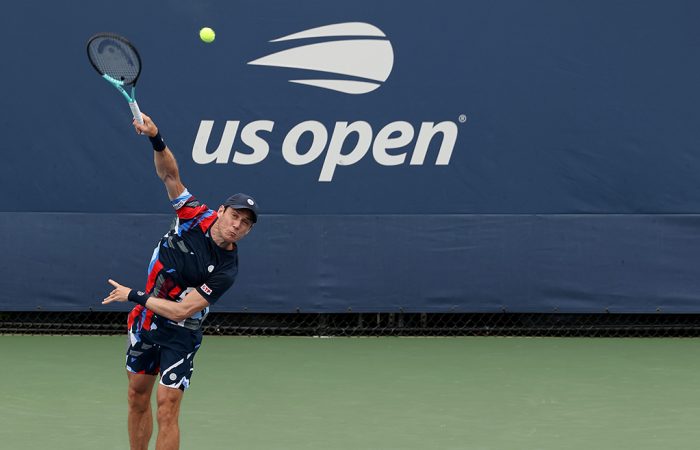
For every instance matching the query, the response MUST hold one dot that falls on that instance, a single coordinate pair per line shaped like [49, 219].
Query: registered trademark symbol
[462, 118]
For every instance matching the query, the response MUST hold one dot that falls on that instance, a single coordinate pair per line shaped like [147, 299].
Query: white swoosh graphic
[338, 29]
[345, 86]
[364, 58]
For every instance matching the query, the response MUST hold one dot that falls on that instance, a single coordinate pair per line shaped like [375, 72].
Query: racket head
[113, 55]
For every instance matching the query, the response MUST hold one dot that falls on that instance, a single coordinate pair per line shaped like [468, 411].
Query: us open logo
[361, 63]
[356, 58]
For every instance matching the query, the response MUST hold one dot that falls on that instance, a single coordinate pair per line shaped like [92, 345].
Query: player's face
[234, 224]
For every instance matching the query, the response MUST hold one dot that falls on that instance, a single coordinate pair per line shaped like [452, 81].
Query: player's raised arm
[166, 165]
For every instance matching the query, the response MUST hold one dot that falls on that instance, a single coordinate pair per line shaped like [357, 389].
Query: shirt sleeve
[191, 213]
[187, 207]
[216, 285]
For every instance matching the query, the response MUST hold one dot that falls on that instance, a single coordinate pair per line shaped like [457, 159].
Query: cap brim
[255, 215]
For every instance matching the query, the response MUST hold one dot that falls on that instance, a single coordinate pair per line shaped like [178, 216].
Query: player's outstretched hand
[148, 127]
[120, 293]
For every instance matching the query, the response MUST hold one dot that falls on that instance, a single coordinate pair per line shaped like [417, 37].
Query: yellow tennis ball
[207, 35]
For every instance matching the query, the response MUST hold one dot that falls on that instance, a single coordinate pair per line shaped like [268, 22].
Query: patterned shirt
[187, 258]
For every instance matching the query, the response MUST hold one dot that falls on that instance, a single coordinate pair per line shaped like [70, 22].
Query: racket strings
[115, 58]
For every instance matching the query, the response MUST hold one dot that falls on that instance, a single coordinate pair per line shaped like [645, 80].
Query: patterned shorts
[174, 363]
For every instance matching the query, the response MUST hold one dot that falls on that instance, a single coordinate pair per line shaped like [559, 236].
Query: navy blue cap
[243, 201]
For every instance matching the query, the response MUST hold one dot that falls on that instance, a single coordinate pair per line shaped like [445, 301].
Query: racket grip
[136, 112]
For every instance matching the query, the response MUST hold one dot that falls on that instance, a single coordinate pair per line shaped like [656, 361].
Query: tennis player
[192, 266]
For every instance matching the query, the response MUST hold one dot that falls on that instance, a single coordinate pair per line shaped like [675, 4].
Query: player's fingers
[139, 128]
[148, 124]
[113, 283]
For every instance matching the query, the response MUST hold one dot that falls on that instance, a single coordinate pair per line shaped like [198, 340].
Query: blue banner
[471, 156]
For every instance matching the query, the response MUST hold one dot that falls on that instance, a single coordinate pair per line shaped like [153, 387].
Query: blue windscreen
[469, 156]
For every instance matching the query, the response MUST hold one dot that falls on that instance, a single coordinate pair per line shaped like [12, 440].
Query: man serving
[192, 266]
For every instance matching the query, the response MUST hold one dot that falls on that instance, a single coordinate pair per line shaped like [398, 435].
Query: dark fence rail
[376, 324]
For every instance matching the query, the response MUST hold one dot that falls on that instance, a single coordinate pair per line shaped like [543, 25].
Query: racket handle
[136, 112]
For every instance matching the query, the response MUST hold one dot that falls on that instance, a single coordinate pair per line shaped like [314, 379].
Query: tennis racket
[116, 59]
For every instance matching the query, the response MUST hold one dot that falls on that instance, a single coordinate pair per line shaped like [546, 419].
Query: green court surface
[69, 392]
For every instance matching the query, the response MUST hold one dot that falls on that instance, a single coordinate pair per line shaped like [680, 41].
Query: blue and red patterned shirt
[187, 258]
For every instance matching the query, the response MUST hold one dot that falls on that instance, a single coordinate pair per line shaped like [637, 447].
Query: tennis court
[67, 392]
